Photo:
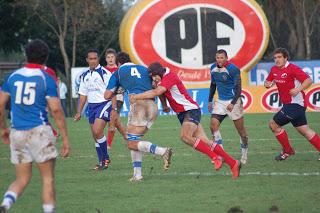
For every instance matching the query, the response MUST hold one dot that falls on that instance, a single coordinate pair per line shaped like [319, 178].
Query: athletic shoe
[217, 163]
[3, 209]
[166, 157]
[107, 163]
[236, 170]
[99, 167]
[284, 155]
[244, 153]
[136, 179]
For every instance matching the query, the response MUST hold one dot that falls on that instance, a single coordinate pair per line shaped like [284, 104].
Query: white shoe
[166, 157]
[136, 179]
[244, 156]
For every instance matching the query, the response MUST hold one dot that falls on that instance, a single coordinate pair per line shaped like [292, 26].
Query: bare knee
[274, 127]
[186, 138]
[214, 125]
[97, 133]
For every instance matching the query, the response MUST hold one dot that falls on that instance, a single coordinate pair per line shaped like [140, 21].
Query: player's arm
[148, 94]
[237, 89]
[82, 102]
[112, 86]
[164, 104]
[304, 85]
[213, 87]
[4, 98]
[268, 83]
[58, 116]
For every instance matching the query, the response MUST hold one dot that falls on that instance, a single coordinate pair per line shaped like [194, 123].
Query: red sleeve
[299, 74]
[270, 76]
[51, 73]
[168, 81]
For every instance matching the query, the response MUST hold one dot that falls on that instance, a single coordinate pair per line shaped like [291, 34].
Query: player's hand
[230, 107]
[77, 117]
[210, 106]
[268, 84]
[293, 92]
[65, 149]
[5, 135]
[165, 109]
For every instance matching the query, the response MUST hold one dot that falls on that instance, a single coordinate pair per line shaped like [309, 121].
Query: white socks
[10, 197]
[136, 157]
[146, 146]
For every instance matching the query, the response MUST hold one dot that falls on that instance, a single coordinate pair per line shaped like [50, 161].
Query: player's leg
[121, 128]
[300, 123]
[219, 113]
[101, 142]
[111, 129]
[239, 124]
[48, 185]
[236, 115]
[280, 119]
[23, 177]
[22, 160]
[191, 127]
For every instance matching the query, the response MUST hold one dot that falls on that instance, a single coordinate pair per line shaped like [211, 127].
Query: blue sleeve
[211, 73]
[113, 82]
[234, 73]
[51, 90]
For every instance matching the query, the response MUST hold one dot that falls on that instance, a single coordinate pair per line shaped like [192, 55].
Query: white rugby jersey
[93, 84]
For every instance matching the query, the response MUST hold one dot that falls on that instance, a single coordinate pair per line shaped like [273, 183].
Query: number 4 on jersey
[135, 72]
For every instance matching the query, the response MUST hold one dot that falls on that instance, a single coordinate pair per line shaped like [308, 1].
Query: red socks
[201, 146]
[110, 137]
[315, 141]
[284, 141]
[227, 158]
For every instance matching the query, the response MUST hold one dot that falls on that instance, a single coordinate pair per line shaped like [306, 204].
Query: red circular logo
[184, 35]
[271, 100]
[313, 99]
[246, 99]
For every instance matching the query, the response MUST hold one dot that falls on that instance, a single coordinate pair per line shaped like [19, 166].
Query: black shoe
[283, 155]
[3, 209]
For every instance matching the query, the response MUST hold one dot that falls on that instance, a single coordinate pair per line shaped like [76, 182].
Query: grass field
[191, 184]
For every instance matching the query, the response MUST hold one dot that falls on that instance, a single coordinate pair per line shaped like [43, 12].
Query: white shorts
[143, 113]
[37, 144]
[220, 108]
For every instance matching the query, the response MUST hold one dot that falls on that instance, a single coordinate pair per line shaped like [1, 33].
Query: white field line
[183, 154]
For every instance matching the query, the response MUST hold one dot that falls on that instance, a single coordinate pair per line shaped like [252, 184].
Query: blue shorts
[193, 116]
[291, 113]
[99, 110]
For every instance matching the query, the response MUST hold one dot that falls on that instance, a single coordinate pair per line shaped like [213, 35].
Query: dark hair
[92, 51]
[123, 57]
[156, 69]
[222, 51]
[110, 51]
[283, 51]
[37, 51]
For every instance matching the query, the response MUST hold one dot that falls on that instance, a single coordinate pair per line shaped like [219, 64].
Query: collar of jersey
[127, 64]
[167, 71]
[98, 67]
[30, 65]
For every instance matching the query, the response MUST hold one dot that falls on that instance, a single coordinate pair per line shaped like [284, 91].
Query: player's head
[221, 57]
[280, 57]
[37, 52]
[122, 58]
[156, 71]
[111, 57]
[92, 58]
